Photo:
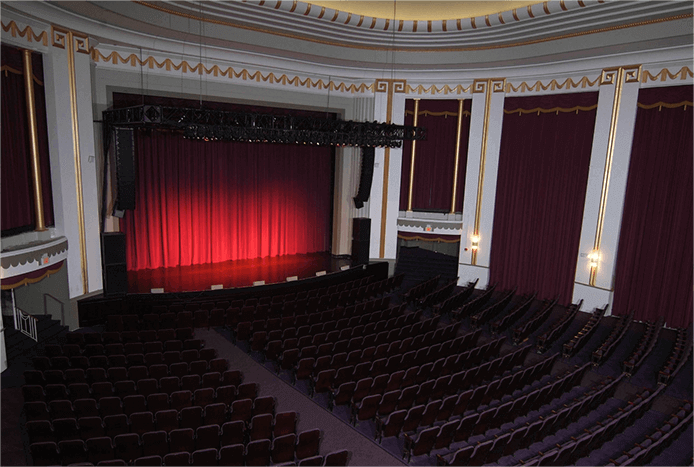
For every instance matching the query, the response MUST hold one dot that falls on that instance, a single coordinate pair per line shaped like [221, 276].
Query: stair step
[19, 345]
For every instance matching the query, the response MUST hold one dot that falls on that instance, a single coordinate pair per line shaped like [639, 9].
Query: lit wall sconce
[475, 242]
[593, 259]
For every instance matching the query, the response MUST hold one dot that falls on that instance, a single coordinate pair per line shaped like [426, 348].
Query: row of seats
[545, 340]
[472, 306]
[574, 344]
[77, 364]
[421, 290]
[522, 331]
[501, 443]
[571, 450]
[200, 443]
[456, 300]
[610, 343]
[266, 424]
[182, 333]
[485, 314]
[643, 452]
[512, 316]
[678, 357]
[644, 347]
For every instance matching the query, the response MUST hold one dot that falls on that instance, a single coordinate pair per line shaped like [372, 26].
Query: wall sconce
[475, 242]
[593, 259]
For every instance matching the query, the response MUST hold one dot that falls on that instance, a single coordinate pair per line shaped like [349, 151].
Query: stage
[232, 274]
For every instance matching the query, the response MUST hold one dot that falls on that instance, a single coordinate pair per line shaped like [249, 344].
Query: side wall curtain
[17, 186]
[543, 171]
[653, 273]
[206, 202]
[435, 157]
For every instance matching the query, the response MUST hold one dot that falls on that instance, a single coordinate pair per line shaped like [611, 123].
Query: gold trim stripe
[427, 239]
[457, 153]
[445, 113]
[349, 18]
[545, 7]
[684, 104]
[413, 157]
[539, 110]
[483, 155]
[530, 11]
[33, 140]
[78, 157]
[14, 71]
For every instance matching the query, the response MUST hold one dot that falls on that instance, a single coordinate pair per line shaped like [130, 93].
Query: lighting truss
[212, 125]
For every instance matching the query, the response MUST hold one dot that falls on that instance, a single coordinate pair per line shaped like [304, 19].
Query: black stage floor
[233, 274]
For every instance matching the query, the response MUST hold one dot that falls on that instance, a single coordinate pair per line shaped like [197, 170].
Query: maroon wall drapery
[653, 272]
[17, 186]
[543, 170]
[435, 157]
[205, 202]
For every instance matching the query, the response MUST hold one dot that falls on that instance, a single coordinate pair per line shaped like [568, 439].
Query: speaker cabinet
[360, 252]
[125, 169]
[365, 177]
[361, 229]
[115, 273]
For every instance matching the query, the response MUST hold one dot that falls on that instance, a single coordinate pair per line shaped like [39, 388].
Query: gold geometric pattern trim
[445, 113]
[134, 61]
[552, 85]
[433, 89]
[80, 41]
[632, 74]
[27, 33]
[664, 74]
[660, 105]
[556, 110]
[8, 69]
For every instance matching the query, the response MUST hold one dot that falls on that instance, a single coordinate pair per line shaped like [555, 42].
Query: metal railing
[62, 307]
[25, 323]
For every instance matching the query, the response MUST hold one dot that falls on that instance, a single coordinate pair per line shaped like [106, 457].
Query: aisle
[336, 434]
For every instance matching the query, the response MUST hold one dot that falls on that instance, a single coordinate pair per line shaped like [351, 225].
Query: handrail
[25, 323]
[62, 307]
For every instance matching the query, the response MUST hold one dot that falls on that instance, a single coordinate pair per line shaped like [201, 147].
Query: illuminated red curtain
[543, 171]
[435, 156]
[207, 202]
[17, 186]
[653, 275]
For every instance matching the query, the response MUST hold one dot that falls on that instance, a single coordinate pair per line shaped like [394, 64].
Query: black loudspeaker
[366, 176]
[361, 228]
[361, 236]
[115, 273]
[360, 252]
[125, 170]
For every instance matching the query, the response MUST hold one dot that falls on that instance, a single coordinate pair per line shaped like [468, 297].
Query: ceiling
[423, 10]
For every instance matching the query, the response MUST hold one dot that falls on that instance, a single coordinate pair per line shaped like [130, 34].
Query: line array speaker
[125, 169]
[365, 177]
[361, 236]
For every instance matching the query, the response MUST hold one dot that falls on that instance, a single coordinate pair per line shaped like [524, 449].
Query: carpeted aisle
[337, 435]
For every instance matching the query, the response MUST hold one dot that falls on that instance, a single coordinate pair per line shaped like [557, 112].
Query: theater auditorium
[285, 232]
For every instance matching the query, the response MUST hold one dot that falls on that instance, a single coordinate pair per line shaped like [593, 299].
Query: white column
[70, 119]
[607, 179]
[482, 158]
[347, 176]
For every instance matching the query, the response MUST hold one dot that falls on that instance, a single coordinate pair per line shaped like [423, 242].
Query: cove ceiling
[301, 35]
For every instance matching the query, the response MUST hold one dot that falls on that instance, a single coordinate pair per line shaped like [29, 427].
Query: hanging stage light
[253, 127]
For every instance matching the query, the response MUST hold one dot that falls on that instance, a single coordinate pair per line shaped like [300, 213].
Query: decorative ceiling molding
[549, 21]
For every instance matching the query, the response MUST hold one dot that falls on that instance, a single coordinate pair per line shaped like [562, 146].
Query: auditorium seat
[282, 448]
[45, 453]
[66, 429]
[232, 455]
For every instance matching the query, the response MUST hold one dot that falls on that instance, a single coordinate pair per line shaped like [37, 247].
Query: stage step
[18, 345]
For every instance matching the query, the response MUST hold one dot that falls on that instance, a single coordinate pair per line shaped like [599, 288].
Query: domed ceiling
[402, 35]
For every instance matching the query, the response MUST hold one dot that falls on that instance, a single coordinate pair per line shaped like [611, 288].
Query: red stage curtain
[543, 171]
[206, 202]
[653, 274]
[17, 186]
[435, 157]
